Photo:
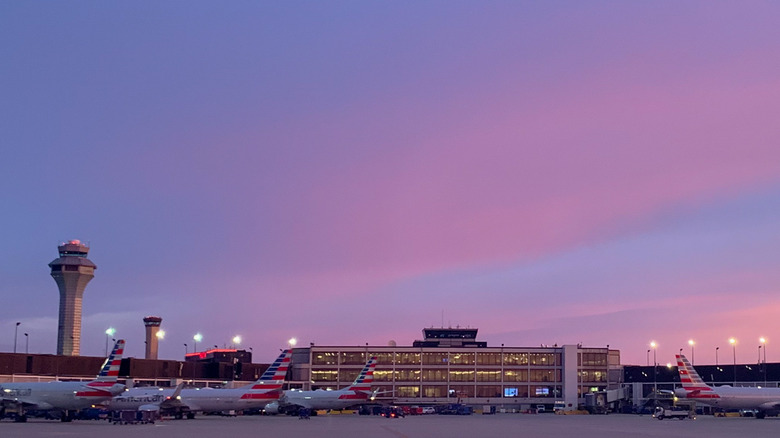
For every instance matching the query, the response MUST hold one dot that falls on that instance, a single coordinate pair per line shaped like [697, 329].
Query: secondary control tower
[153, 333]
[72, 271]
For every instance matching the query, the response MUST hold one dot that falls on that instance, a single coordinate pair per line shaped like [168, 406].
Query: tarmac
[427, 426]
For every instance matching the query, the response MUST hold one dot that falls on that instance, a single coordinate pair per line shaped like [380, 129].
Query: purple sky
[349, 172]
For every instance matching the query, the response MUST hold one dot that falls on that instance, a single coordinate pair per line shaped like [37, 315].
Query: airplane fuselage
[55, 395]
[727, 397]
[321, 399]
[194, 399]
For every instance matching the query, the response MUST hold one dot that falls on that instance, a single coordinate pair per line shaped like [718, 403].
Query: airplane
[357, 393]
[63, 396]
[191, 400]
[726, 397]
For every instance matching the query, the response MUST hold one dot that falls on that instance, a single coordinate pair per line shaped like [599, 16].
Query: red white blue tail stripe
[269, 385]
[691, 382]
[361, 387]
[108, 375]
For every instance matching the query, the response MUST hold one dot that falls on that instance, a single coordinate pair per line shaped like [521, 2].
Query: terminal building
[449, 365]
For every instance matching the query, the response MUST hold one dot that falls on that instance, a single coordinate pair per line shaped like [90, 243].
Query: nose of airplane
[680, 393]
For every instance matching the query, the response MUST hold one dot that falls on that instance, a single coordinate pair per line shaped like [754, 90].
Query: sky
[350, 172]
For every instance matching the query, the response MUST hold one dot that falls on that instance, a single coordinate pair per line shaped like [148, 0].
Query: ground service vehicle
[680, 414]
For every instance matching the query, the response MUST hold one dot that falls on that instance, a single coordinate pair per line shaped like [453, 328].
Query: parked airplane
[726, 397]
[63, 396]
[357, 393]
[189, 401]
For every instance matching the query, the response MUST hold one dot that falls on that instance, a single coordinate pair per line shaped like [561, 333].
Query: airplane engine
[271, 408]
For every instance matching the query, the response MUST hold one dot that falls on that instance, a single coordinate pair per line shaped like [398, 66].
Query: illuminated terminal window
[438, 391]
[488, 358]
[461, 390]
[325, 358]
[544, 359]
[407, 391]
[489, 376]
[407, 375]
[383, 376]
[407, 358]
[462, 359]
[434, 375]
[515, 375]
[461, 376]
[383, 358]
[434, 358]
[353, 358]
[324, 375]
[515, 358]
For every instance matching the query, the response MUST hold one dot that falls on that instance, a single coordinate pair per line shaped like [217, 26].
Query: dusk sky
[349, 172]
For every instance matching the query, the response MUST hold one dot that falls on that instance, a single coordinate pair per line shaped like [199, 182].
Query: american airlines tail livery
[64, 396]
[726, 397]
[358, 392]
[181, 402]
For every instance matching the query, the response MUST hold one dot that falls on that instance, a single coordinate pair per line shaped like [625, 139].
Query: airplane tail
[109, 372]
[273, 378]
[362, 383]
[691, 382]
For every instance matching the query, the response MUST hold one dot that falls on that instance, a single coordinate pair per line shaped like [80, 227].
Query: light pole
[716, 355]
[762, 340]
[648, 357]
[109, 333]
[292, 342]
[236, 341]
[185, 349]
[733, 343]
[691, 343]
[26, 343]
[653, 345]
[16, 331]
[197, 338]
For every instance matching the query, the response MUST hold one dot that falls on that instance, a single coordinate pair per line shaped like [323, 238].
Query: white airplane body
[358, 392]
[191, 400]
[726, 397]
[64, 396]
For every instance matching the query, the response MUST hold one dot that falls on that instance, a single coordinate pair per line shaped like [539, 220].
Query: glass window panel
[515, 358]
[434, 358]
[383, 376]
[461, 376]
[353, 358]
[324, 358]
[407, 375]
[462, 390]
[407, 391]
[489, 376]
[348, 375]
[407, 358]
[383, 358]
[489, 391]
[488, 358]
[324, 375]
[515, 375]
[461, 358]
[434, 375]
[438, 391]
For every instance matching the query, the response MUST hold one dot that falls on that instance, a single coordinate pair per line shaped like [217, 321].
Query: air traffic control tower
[72, 271]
